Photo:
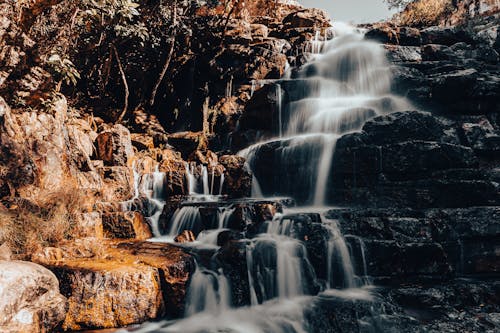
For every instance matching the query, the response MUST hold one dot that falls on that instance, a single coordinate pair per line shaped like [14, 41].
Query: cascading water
[201, 181]
[346, 82]
[294, 255]
[209, 292]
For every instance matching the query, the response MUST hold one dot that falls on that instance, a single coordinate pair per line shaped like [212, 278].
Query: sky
[355, 11]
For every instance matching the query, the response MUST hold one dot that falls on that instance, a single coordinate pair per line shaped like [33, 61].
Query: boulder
[405, 54]
[114, 146]
[259, 31]
[482, 137]
[446, 35]
[187, 142]
[29, 298]
[185, 237]
[115, 283]
[411, 125]
[126, 225]
[142, 141]
[307, 18]
[116, 183]
[436, 52]
[90, 225]
[237, 180]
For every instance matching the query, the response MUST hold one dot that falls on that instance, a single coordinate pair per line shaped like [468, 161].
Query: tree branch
[125, 85]
[167, 60]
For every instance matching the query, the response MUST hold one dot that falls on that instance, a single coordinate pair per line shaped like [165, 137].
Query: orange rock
[117, 183]
[238, 181]
[117, 283]
[185, 237]
[142, 141]
[114, 146]
[126, 225]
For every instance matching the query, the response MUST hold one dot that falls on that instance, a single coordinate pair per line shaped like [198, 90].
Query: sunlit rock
[29, 298]
[115, 283]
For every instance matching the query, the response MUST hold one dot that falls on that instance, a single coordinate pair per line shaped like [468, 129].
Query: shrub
[28, 226]
[423, 13]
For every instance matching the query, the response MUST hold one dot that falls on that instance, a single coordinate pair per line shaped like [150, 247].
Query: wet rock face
[415, 159]
[307, 18]
[119, 283]
[434, 63]
[237, 181]
[417, 244]
[465, 305]
[29, 298]
[247, 215]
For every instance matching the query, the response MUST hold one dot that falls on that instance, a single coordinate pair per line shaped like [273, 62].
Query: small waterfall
[204, 173]
[209, 237]
[338, 260]
[256, 190]
[324, 169]
[279, 267]
[202, 182]
[221, 183]
[224, 214]
[152, 187]
[316, 44]
[185, 218]
[357, 249]
[279, 104]
[191, 179]
[208, 292]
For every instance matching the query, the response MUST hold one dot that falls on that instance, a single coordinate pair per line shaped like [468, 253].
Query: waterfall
[224, 214]
[185, 218]
[201, 182]
[338, 260]
[208, 292]
[291, 257]
[279, 103]
[346, 81]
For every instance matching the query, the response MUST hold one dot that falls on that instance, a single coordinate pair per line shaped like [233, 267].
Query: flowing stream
[265, 276]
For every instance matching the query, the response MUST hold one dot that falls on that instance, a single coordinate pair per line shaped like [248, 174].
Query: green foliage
[63, 69]
[121, 16]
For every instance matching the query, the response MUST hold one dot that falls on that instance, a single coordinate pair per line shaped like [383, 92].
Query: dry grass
[26, 226]
[422, 13]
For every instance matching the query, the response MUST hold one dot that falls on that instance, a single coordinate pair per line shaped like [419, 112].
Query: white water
[185, 218]
[347, 81]
[209, 292]
[201, 181]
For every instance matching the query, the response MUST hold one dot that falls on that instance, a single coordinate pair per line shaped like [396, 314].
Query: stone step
[112, 283]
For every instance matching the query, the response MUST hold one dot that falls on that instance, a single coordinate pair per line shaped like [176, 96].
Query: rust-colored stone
[185, 237]
[126, 225]
[114, 146]
[115, 283]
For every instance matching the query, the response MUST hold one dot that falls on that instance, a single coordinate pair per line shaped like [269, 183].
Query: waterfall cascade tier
[346, 82]
[260, 262]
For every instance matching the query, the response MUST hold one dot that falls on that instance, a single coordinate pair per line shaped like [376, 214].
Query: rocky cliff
[98, 97]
